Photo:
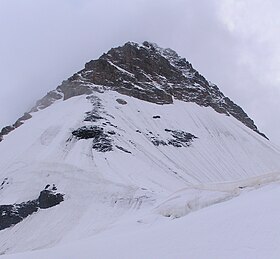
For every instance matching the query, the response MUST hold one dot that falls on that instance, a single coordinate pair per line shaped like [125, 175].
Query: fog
[233, 43]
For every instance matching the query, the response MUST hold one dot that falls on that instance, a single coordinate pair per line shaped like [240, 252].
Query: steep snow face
[114, 156]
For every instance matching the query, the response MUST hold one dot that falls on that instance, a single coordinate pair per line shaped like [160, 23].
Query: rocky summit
[146, 72]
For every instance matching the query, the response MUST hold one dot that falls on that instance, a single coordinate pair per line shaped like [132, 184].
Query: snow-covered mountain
[135, 140]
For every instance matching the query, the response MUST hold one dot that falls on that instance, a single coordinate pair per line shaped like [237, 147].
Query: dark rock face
[178, 138]
[6, 130]
[94, 114]
[101, 141]
[158, 142]
[45, 102]
[49, 198]
[88, 132]
[153, 74]
[15, 213]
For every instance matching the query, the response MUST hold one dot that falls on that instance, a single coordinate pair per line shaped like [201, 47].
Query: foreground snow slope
[106, 190]
[244, 227]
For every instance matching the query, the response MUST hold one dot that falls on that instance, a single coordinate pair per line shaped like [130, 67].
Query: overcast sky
[233, 43]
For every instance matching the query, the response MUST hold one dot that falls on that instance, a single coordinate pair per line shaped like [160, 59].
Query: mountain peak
[144, 139]
[146, 72]
[154, 74]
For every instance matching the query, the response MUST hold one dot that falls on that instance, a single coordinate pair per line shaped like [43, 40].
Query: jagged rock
[158, 142]
[174, 143]
[15, 213]
[49, 198]
[92, 116]
[88, 132]
[180, 138]
[102, 144]
[100, 140]
[6, 130]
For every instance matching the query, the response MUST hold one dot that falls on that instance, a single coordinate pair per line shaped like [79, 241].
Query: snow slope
[107, 192]
[245, 227]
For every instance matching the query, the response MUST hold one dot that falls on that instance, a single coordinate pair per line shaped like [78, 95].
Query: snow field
[129, 200]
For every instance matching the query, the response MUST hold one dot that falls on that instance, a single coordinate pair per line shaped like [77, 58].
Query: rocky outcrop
[43, 103]
[178, 138]
[13, 214]
[101, 141]
[6, 130]
[47, 100]
[49, 198]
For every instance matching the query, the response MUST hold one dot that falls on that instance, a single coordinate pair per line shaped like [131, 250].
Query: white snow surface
[245, 228]
[158, 201]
